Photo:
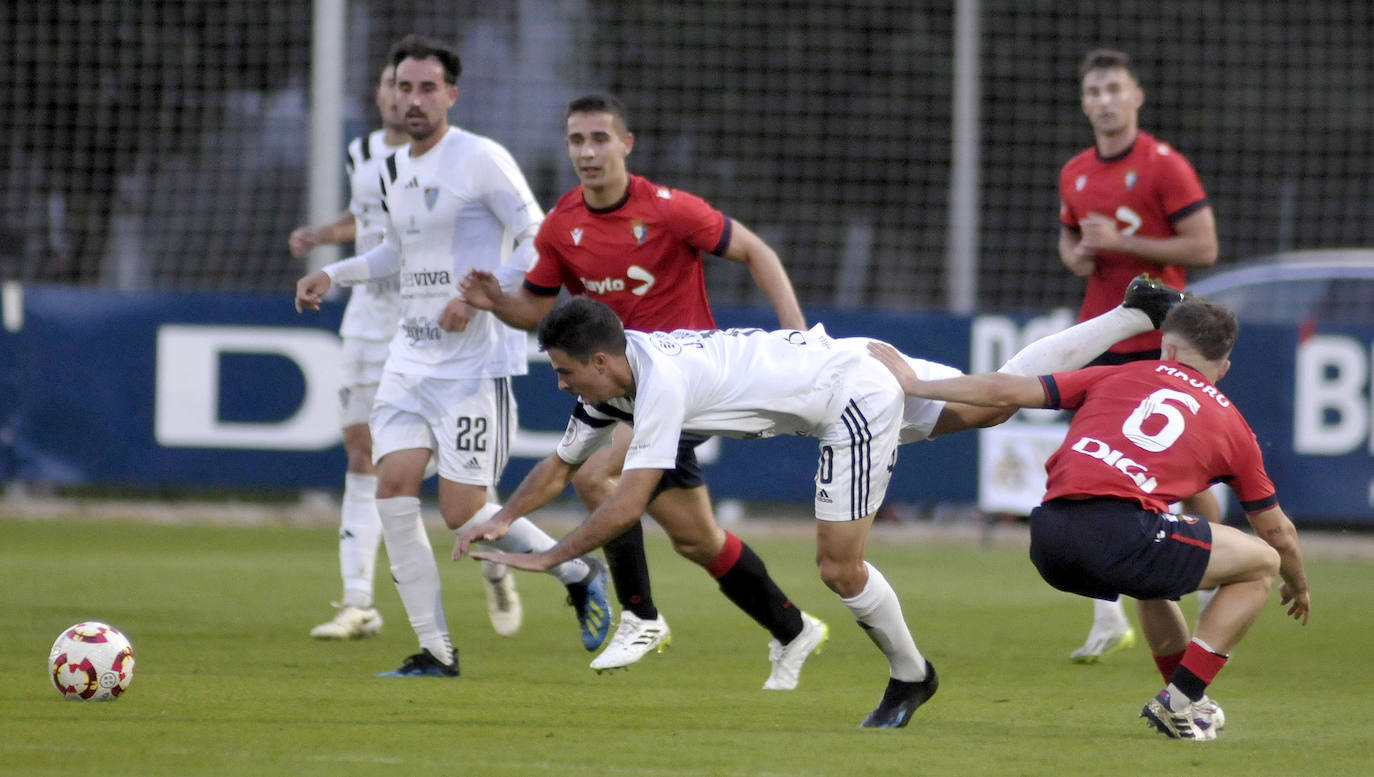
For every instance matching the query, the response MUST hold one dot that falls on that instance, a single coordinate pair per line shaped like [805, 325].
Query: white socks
[416, 572]
[1109, 616]
[1205, 596]
[360, 533]
[1079, 344]
[493, 571]
[880, 614]
[524, 537]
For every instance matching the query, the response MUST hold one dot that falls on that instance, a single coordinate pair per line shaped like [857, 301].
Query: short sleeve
[1180, 190]
[695, 222]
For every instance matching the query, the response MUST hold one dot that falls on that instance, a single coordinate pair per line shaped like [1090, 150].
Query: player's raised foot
[1210, 712]
[633, 640]
[503, 604]
[1152, 297]
[424, 664]
[901, 699]
[588, 598]
[1188, 723]
[349, 623]
[1102, 643]
[788, 659]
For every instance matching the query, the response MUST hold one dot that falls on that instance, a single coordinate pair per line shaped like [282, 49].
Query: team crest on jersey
[638, 229]
[1131, 179]
[577, 236]
[665, 343]
[431, 196]
[1080, 182]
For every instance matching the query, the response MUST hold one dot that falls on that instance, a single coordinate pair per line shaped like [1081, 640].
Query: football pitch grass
[227, 682]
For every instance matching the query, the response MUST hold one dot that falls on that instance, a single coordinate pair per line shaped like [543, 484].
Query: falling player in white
[369, 321]
[455, 202]
[751, 384]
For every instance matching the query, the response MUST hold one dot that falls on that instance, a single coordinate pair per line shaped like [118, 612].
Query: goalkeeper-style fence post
[326, 196]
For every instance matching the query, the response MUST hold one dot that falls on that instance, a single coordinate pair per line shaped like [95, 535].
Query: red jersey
[1147, 189]
[641, 256]
[1154, 432]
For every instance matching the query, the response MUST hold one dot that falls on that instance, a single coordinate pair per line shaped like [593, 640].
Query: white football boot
[633, 640]
[503, 604]
[788, 659]
[350, 623]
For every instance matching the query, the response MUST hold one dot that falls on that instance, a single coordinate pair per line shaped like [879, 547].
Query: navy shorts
[1105, 547]
[687, 473]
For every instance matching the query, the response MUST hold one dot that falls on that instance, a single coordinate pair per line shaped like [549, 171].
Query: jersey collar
[617, 205]
[1107, 160]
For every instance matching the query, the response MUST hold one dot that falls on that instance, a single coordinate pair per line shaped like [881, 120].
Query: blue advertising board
[238, 391]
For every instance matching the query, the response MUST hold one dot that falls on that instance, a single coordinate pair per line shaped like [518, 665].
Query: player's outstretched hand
[530, 562]
[486, 531]
[481, 289]
[1299, 604]
[311, 289]
[893, 360]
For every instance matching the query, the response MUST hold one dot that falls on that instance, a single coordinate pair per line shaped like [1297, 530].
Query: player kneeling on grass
[750, 384]
[1146, 434]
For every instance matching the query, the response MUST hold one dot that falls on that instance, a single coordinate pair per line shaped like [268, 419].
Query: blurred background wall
[158, 145]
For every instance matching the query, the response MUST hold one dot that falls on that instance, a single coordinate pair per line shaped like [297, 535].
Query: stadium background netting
[163, 145]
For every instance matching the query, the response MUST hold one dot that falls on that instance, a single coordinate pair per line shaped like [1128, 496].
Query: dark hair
[1210, 327]
[600, 103]
[581, 327]
[419, 47]
[1105, 59]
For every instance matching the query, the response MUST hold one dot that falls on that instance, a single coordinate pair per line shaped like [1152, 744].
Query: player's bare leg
[642, 628]
[360, 535]
[585, 579]
[1244, 569]
[1203, 504]
[685, 513]
[868, 595]
[413, 567]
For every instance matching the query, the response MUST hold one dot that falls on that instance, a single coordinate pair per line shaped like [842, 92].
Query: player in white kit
[369, 321]
[455, 202]
[751, 384]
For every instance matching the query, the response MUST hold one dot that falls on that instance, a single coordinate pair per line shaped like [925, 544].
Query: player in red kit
[1131, 204]
[638, 247]
[1146, 434]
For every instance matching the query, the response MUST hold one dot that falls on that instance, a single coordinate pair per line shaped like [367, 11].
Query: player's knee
[388, 487]
[842, 576]
[592, 487]
[360, 460]
[1269, 565]
[699, 548]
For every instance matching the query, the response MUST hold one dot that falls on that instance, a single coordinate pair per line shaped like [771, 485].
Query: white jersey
[744, 383]
[463, 204]
[373, 308]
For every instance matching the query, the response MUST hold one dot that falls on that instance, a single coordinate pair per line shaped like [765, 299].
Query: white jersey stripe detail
[860, 459]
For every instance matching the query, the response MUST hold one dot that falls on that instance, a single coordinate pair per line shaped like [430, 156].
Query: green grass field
[227, 683]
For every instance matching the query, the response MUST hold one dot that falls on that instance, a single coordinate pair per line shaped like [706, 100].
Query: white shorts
[361, 370]
[919, 415]
[858, 451]
[467, 424]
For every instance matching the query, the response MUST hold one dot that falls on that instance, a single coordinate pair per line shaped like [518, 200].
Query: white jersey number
[1130, 218]
[1158, 404]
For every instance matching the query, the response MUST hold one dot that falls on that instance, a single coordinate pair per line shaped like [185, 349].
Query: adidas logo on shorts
[822, 496]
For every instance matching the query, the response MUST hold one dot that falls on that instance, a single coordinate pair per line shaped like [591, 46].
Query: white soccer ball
[91, 661]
